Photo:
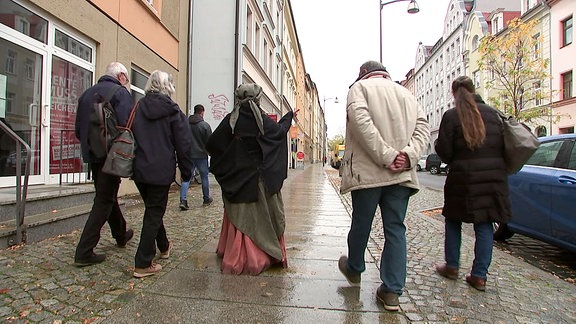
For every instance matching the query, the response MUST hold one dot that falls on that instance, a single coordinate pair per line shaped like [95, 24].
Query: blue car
[543, 195]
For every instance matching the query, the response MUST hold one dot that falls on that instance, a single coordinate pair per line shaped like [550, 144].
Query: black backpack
[103, 124]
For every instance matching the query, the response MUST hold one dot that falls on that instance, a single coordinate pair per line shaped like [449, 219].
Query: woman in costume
[249, 159]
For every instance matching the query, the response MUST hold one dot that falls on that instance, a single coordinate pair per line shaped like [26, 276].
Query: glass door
[23, 109]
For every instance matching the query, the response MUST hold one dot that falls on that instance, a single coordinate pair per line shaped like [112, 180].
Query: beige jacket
[382, 119]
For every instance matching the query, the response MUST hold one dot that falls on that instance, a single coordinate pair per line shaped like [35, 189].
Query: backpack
[103, 124]
[121, 155]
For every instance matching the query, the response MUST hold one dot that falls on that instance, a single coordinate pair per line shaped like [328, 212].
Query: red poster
[68, 83]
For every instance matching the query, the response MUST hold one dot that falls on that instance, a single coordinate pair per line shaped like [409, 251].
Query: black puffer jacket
[476, 189]
[162, 134]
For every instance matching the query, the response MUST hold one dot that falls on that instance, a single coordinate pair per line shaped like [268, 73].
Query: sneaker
[184, 205]
[127, 237]
[166, 254]
[146, 272]
[93, 259]
[388, 299]
[353, 278]
[446, 271]
[207, 202]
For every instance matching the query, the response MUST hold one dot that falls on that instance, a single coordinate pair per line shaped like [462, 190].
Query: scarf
[251, 93]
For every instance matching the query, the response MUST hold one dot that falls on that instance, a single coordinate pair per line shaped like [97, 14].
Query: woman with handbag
[470, 141]
[161, 132]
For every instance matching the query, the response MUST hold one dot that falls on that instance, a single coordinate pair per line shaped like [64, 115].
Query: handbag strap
[132, 115]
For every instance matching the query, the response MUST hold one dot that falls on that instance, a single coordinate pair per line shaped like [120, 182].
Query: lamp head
[336, 100]
[413, 7]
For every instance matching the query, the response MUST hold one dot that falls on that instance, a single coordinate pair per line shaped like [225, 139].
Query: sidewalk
[39, 284]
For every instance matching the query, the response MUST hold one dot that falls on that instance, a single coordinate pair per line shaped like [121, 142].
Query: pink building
[563, 52]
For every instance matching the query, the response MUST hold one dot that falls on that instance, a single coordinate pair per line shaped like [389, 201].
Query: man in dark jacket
[105, 207]
[200, 131]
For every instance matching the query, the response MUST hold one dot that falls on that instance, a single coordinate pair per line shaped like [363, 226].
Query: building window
[29, 69]
[567, 31]
[138, 81]
[537, 94]
[10, 66]
[567, 85]
[249, 26]
[536, 46]
[475, 41]
[476, 78]
[73, 46]
[23, 20]
[257, 43]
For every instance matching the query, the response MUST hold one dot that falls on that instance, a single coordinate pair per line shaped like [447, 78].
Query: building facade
[51, 51]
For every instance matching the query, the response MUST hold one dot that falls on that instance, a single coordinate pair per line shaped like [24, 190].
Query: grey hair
[114, 69]
[162, 82]
[371, 66]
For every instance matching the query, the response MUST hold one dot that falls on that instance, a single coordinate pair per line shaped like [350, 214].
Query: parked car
[421, 163]
[435, 165]
[542, 194]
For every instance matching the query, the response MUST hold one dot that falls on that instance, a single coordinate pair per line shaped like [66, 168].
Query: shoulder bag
[519, 143]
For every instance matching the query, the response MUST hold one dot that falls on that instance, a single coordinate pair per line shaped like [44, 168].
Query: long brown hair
[473, 127]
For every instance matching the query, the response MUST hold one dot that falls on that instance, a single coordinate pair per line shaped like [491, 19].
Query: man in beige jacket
[386, 132]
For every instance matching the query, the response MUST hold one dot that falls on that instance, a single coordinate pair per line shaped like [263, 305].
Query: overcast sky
[337, 36]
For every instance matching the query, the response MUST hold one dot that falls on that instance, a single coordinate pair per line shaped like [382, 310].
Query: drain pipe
[236, 46]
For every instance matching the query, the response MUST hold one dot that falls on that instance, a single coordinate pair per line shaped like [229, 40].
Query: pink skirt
[240, 255]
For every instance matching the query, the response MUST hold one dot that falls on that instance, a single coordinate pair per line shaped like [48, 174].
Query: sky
[337, 36]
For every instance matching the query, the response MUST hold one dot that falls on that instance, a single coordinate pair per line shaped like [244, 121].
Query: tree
[336, 140]
[518, 75]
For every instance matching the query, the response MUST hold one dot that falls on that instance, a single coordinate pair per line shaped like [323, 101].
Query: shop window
[23, 20]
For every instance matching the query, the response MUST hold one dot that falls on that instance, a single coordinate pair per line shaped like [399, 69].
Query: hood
[157, 106]
[195, 119]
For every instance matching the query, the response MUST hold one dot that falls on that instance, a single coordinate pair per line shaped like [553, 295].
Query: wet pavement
[38, 283]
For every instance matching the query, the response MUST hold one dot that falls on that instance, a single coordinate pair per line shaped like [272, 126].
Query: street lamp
[326, 99]
[412, 9]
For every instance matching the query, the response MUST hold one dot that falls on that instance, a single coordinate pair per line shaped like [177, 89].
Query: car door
[531, 192]
[562, 213]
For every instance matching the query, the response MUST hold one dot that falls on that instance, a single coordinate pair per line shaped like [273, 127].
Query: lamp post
[326, 99]
[412, 9]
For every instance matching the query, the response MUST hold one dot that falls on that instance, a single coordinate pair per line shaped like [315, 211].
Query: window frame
[567, 29]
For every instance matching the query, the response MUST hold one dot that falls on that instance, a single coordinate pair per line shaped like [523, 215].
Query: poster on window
[68, 83]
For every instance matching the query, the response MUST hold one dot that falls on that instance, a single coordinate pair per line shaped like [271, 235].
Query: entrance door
[23, 108]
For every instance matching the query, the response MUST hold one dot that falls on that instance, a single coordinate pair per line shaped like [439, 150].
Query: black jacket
[200, 131]
[476, 188]
[121, 101]
[238, 160]
[162, 135]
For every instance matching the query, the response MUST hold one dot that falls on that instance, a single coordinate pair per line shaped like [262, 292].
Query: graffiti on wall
[218, 105]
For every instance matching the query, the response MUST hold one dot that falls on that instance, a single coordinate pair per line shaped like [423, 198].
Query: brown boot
[476, 282]
[446, 271]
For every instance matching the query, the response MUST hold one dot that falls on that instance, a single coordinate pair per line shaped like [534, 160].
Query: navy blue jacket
[162, 137]
[121, 102]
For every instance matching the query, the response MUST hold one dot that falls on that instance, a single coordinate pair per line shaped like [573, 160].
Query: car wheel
[501, 232]
[434, 169]
[418, 167]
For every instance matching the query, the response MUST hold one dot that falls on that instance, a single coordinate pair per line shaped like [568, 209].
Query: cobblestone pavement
[39, 284]
[517, 292]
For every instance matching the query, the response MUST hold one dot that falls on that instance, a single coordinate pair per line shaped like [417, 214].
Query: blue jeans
[393, 202]
[201, 165]
[482, 247]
